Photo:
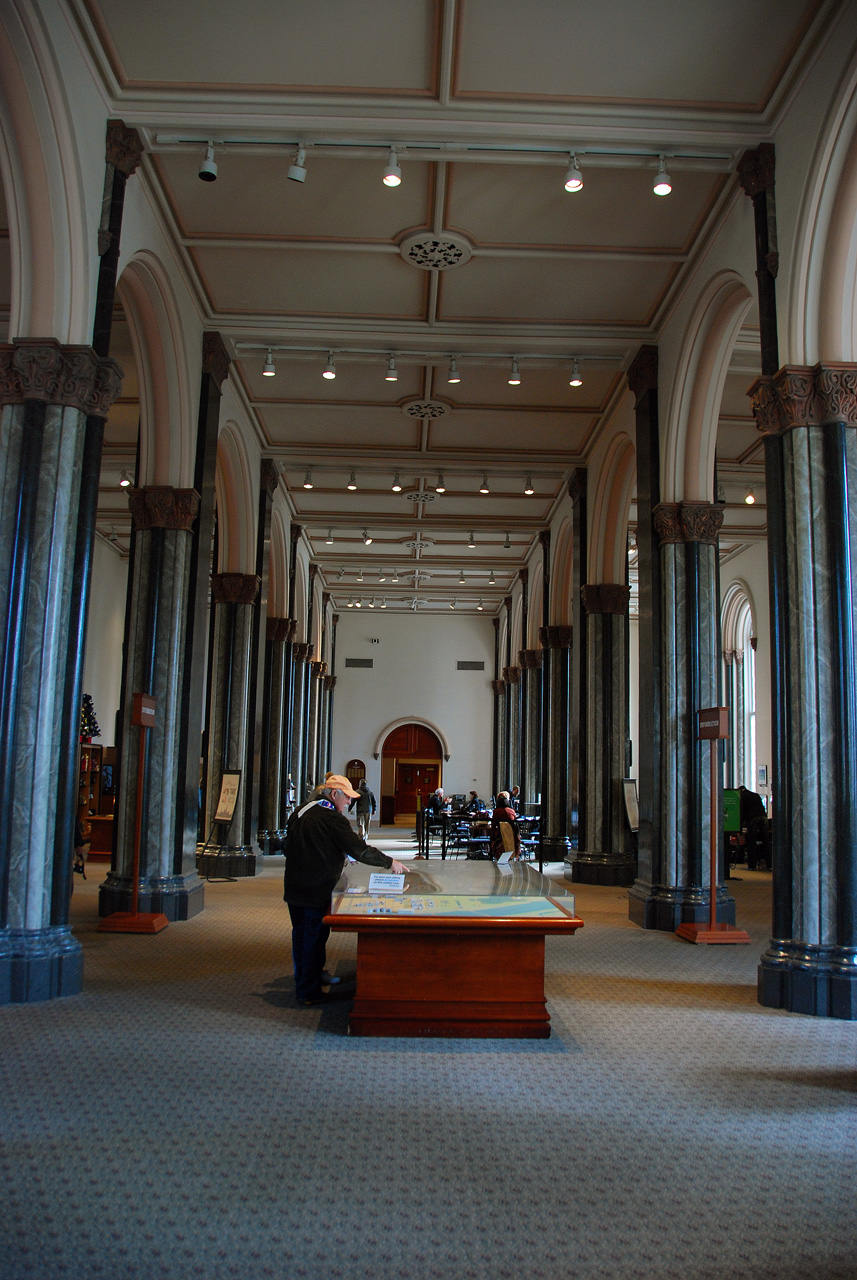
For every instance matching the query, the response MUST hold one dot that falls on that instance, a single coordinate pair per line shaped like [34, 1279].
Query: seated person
[515, 798]
[474, 804]
[435, 803]
[504, 829]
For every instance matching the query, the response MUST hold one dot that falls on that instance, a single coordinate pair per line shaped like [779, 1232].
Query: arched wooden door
[411, 765]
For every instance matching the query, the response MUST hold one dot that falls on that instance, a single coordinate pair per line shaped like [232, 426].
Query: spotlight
[372, 603]
[507, 544]
[308, 479]
[208, 168]
[483, 488]
[350, 604]
[440, 487]
[329, 538]
[392, 374]
[514, 375]
[329, 370]
[384, 603]
[352, 483]
[360, 576]
[528, 487]
[453, 375]
[452, 604]
[461, 582]
[479, 606]
[297, 172]
[124, 479]
[382, 576]
[662, 185]
[359, 602]
[268, 369]
[397, 488]
[367, 541]
[395, 577]
[492, 581]
[114, 536]
[750, 497]
[574, 178]
[575, 380]
[392, 173]
[472, 541]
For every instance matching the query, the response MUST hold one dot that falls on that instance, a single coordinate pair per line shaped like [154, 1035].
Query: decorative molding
[545, 540]
[687, 522]
[577, 484]
[605, 597]
[235, 588]
[73, 376]
[269, 476]
[643, 372]
[666, 517]
[804, 396]
[293, 628]
[162, 507]
[507, 601]
[123, 147]
[313, 571]
[757, 169]
[555, 637]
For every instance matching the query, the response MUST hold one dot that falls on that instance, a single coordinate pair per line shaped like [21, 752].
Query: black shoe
[310, 1001]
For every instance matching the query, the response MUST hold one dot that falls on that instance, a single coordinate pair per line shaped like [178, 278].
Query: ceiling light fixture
[392, 172]
[574, 178]
[397, 488]
[372, 603]
[329, 370]
[514, 375]
[440, 487]
[472, 541]
[329, 538]
[208, 168]
[352, 483]
[507, 544]
[125, 480]
[268, 369]
[452, 604]
[392, 374]
[350, 604]
[528, 487]
[575, 380]
[395, 577]
[492, 581]
[662, 185]
[750, 497]
[308, 479]
[453, 375]
[461, 581]
[359, 602]
[384, 603]
[483, 488]
[367, 541]
[297, 172]
[479, 606]
[360, 576]
[382, 576]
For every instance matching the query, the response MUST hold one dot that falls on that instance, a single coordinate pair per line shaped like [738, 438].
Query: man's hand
[398, 868]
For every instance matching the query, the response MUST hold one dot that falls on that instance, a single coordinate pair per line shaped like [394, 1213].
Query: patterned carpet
[183, 1118]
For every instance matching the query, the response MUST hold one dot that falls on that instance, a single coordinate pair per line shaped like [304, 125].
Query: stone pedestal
[674, 887]
[556, 680]
[604, 856]
[809, 418]
[53, 400]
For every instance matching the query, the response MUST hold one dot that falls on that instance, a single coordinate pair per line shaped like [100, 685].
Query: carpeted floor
[183, 1118]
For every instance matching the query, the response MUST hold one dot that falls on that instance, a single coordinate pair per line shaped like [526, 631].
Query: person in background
[436, 803]
[514, 798]
[474, 804]
[319, 837]
[503, 813]
[365, 803]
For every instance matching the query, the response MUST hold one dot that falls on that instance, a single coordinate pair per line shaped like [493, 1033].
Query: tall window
[739, 685]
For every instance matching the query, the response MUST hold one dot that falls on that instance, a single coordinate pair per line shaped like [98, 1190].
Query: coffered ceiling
[483, 102]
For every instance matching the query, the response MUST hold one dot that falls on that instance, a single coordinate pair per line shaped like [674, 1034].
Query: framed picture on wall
[632, 804]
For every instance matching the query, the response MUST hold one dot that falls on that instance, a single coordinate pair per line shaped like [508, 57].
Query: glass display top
[446, 882]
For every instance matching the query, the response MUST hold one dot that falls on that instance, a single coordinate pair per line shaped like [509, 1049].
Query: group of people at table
[500, 827]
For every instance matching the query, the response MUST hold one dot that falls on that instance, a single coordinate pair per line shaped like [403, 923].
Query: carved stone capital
[496, 622]
[666, 518]
[643, 371]
[325, 599]
[123, 147]
[555, 637]
[278, 629]
[511, 675]
[334, 619]
[524, 576]
[302, 652]
[74, 377]
[319, 669]
[499, 686]
[269, 476]
[215, 357]
[158, 506]
[235, 588]
[757, 169]
[295, 532]
[687, 522]
[800, 396]
[313, 571]
[605, 597]
[577, 484]
[836, 393]
[545, 540]
[507, 601]
[528, 659]
[329, 683]
[293, 628]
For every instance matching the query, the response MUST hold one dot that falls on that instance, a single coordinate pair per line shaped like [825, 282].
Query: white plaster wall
[415, 676]
[102, 671]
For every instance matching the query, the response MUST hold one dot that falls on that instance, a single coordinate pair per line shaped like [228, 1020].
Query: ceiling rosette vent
[436, 253]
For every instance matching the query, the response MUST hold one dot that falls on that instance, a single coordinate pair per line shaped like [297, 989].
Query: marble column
[733, 660]
[163, 520]
[675, 888]
[496, 720]
[278, 632]
[53, 401]
[512, 681]
[302, 659]
[498, 688]
[556, 677]
[324, 747]
[809, 419]
[530, 663]
[233, 597]
[577, 491]
[257, 736]
[315, 675]
[604, 855]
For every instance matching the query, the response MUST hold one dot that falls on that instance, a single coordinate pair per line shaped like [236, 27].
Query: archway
[411, 768]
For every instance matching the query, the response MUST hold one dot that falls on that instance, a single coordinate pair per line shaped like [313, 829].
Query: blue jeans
[309, 940]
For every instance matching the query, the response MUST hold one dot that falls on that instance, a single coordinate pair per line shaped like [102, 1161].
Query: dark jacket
[317, 841]
[364, 802]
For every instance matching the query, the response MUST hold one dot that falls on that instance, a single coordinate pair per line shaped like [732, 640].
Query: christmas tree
[88, 723]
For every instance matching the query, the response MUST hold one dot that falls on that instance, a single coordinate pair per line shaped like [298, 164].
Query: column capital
[511, 675]
[269, 476]
[215, 357]
[805, 396]
[303, 652]
[555, 637]
[688, 522]
[319, 669]
[313, 571]
[334, 619]
[235, 588]
[330, 683]
[529, 659]
[605, 597]
[159, 506]
[325, 599]
[278, 629]
[757, 169]
[496, 622]
[123, 147]
[295, 532]
[577, 484]
[524, 576]
[545, 539]
[73, 376]
[499, 686]
[643, 371]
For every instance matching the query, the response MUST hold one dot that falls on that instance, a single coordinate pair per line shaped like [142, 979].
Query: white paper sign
[382, 882]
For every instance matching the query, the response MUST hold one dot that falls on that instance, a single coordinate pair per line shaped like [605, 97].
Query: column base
[594, 868]
[226, 862]
[176, 897]
[39, 964]
[820, 981]
[556, 849]
[665, 908]
[271, 842]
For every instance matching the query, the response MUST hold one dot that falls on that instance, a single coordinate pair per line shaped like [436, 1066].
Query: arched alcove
[562, 555]
[236, 512]
[611, 505]
[738, 635]
[411, 768]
